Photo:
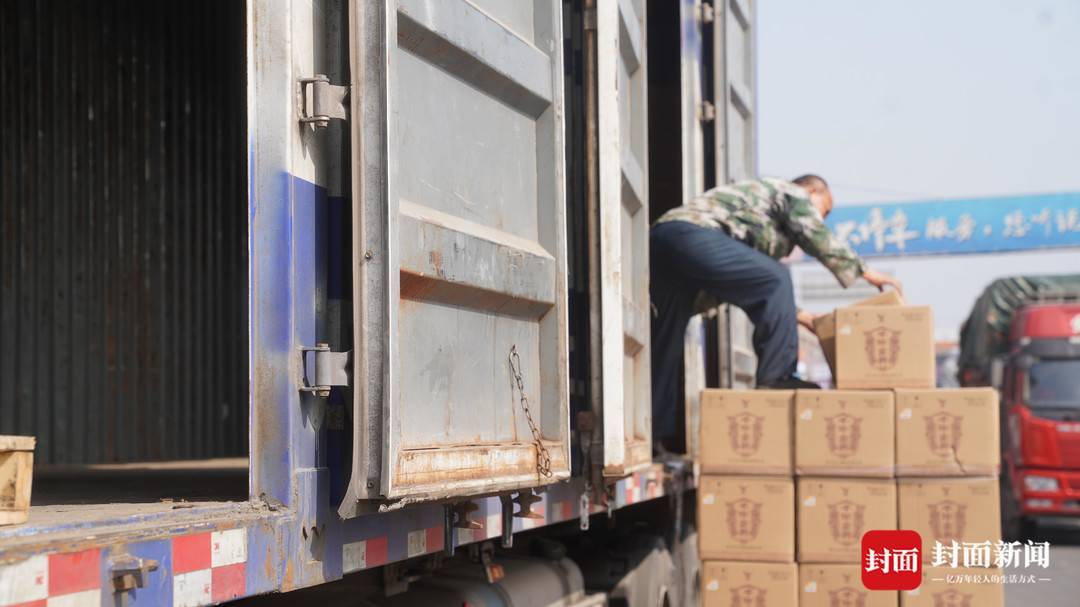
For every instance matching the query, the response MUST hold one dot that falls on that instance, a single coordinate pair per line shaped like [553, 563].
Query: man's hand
[805, 319]
[880, 280]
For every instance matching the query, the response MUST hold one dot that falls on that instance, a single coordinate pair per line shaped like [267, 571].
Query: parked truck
[1023, 338]
[352, 295]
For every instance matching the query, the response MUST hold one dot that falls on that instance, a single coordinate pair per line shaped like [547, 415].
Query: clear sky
[925, 99]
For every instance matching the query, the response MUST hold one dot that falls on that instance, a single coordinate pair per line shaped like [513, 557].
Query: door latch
[324, 369]
[130, 572]
[705, 13]
[321, 101]
[706, 111]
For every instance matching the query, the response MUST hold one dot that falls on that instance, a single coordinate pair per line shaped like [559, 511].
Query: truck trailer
[353, 294]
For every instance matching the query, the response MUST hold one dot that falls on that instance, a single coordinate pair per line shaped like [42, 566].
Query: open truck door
[735, 156]
[621, 280]
[735, 90]
[459, 249]
[719, 145]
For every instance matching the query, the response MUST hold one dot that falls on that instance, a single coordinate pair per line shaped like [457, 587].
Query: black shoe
[789, 383]
[665, 448]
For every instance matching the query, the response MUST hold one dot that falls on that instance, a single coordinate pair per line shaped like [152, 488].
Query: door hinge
[590, 19]
[706, 111]
[324, 369]
[704, 12]
[321, 101]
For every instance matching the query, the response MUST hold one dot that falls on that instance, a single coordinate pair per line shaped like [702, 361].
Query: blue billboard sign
[977, 225]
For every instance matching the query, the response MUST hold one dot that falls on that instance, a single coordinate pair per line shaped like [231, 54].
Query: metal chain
[543, 456]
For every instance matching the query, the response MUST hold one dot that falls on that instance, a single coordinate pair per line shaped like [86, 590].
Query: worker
[727, 243]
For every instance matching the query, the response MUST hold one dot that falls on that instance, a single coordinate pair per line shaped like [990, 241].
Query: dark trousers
[686, 259]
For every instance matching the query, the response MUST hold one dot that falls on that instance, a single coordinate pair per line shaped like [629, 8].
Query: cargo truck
[351, 295]
[1023, 338]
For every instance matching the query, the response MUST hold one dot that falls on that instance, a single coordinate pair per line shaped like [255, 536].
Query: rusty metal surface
[460, 246]
[123, 229]
[73, 528]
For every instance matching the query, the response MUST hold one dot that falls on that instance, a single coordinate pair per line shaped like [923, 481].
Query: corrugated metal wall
[123, 233]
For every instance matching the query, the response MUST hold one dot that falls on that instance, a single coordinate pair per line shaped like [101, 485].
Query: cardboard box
[746, 431]
[832, 585]
[885, 347]
[833, 514]
[951, 432]
[948, 587]
[946, 509]
[758, 584]
[746, 518]
[844, 433]
[825, 325]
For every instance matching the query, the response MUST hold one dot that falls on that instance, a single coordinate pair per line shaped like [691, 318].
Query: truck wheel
[1015, 527]
[1018, 528]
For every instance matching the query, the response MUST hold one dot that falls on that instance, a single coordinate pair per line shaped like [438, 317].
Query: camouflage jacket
[772, 216]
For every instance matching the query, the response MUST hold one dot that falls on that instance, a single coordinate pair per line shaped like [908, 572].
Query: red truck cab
[1039, 380]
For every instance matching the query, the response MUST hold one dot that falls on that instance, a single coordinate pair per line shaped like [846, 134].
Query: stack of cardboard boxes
[792, 480]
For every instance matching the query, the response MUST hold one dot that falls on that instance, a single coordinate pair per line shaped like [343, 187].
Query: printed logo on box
[846, 520]
[743, 519]
[843, 431]
[943, 431]
[744, 432]
[953, 598]
[882, 348]
[748, 595]
[948, 519]
[891, 560]
[847, 597]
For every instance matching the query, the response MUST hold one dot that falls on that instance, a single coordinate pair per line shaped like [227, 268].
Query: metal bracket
[329, 369]
[706, 111]
[507, 540]
[463, 516]
[449, 530]
[705, 13]
[321, 101]
[130, 572]
[590, 19]
[525, 500]
[585, 507]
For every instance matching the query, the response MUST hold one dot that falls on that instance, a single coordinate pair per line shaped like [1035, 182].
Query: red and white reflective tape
[364, 554]
[633, 489]
[209, 567]
[423, 541]
[71, 579]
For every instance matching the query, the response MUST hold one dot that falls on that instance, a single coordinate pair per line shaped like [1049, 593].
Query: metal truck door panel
[624, 234]
[735, 90]
[459, 247]
[691, 19]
